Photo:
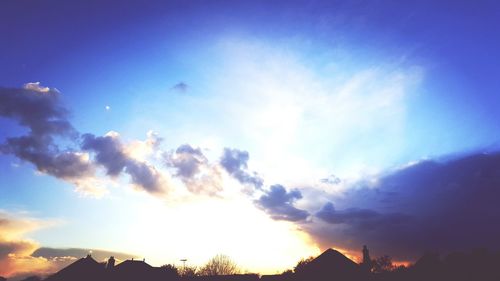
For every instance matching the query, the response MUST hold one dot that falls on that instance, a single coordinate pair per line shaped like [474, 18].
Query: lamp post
[184, 264]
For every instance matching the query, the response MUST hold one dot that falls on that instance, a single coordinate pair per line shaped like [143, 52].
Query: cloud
[278, 203]
[365, 221]
[39, 110]
[430, 205]
[180, 87]
[297, 113]
[75, 253]
[143, 149]
[331, 179]
[194, 169]
[15, 250]
[187, 160]
[234, 161]
[111, 154]
[35, 86]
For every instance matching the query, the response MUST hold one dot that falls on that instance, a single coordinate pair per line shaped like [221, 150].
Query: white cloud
[35, 86]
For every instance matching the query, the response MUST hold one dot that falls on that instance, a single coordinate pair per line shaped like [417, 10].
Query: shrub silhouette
[302, 264]
[170, 269]
[383, 264]
[188, 271]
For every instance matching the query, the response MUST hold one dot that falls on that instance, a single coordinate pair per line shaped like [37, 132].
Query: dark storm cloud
[110, 153]
[39, 110]
[431, 205]
[278, 203]
[234, 161]
[362, 217]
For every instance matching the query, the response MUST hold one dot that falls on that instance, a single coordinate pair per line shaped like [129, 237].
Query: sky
[268, 131]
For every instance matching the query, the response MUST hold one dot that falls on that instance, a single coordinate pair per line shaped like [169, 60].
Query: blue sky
[293, 91]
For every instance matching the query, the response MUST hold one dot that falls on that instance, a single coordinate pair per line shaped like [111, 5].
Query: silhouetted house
[277, 277]
[131, 270]
[83, 269]
[233, 277]
[88, 269]
[32, 278]
[331, 265]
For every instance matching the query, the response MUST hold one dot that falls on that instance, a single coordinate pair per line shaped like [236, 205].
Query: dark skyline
[181, 129]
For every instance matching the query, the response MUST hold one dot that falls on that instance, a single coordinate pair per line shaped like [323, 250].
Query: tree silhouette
[188, 271]
[302, 264]
[171, 269]
[383, 264]
[219, 265]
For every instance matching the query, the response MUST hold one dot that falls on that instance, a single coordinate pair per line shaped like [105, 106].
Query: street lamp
[184, 263]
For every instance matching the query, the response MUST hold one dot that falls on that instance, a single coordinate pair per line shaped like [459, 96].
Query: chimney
[367, 262]
[111, 263]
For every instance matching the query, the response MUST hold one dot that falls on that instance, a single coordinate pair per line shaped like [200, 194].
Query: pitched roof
[334, 258]
[332, 264]
[82, 268]
[135, 268]
[133, 265]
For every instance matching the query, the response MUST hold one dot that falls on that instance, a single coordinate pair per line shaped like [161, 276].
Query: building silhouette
[331, 265]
